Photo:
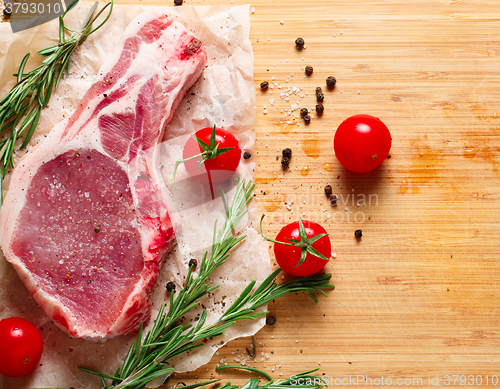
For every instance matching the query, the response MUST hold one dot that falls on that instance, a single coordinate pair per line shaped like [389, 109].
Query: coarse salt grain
[253, 10]
[282, 22]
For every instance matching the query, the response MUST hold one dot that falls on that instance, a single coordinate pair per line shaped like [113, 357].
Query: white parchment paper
[224, 95]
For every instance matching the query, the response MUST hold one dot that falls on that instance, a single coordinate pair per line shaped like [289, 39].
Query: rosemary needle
[20, 109]
[304, 380]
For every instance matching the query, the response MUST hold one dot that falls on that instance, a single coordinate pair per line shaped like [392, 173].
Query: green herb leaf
[20, 109]
[248, 368]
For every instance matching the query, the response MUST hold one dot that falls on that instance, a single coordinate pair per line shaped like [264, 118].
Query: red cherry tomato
[289, 256]
[361, 143]
[215, 169]
[21, 347]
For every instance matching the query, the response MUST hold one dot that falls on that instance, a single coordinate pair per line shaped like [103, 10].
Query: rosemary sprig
[304, 380]
[181, 339]
[20, 109]
[149, 358]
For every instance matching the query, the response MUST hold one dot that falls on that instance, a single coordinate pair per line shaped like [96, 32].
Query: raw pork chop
[85, 222]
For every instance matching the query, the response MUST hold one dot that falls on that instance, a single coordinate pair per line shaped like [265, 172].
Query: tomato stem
[304, 242]
[210, 151]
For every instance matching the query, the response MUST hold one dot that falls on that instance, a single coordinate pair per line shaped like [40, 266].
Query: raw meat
[85, 221]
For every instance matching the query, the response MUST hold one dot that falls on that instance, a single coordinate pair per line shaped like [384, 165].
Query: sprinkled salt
[282, 22]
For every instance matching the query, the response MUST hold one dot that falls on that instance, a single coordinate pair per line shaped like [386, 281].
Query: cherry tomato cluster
[361, 144]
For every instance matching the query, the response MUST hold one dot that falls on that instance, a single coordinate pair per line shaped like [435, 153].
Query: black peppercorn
[247, 155]
[319, 109]
[358, 234]
[299, 42]
[193, 263]
[319, 94]
[309, 70]
[328, 190]
[330, 82]
[264, 85]
[170, 286]
[389, 155]
[285, 161]
[178, 2]
[270, 320]
[287, 152]
[304, 112]
[7, 11]
[333, 200]
[307, 119]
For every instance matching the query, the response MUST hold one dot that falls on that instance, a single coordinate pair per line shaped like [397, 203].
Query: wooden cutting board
[417, 298]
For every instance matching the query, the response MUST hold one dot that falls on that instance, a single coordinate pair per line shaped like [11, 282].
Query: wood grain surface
[417, 298]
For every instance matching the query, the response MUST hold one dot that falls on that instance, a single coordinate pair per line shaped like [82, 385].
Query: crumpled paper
[224, 95]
